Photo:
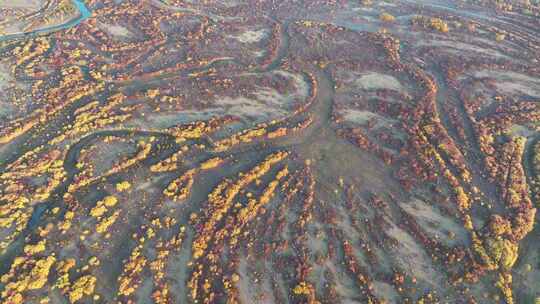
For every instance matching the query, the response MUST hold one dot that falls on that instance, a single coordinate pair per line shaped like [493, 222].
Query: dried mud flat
[321, 151]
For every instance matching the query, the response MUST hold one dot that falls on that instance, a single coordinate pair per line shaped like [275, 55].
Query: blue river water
[84, 13]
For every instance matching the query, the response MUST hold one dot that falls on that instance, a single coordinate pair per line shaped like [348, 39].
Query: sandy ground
[459, 47]
[262, 104]
[116, 30]
[371, 81]
[252, 36]
[21, 4]
[512, 83]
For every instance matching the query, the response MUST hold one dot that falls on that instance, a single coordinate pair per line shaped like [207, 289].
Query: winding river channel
[84, 13]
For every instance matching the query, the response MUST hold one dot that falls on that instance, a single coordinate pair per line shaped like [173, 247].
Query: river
[84, 13]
